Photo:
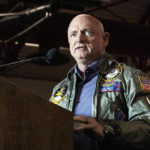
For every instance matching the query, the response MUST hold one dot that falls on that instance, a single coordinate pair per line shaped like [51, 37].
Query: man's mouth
[80, 48]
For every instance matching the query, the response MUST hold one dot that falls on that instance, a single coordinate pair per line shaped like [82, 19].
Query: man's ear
[106, 38]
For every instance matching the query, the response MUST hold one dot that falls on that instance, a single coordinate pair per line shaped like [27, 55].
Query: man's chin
[82, 55]
[81, 58]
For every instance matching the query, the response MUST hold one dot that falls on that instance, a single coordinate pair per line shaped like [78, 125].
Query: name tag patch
[113, 86]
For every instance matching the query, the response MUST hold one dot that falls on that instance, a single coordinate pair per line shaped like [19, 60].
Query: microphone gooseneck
[49, 58]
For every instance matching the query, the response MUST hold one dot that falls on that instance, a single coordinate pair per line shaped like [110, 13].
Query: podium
[27, 122]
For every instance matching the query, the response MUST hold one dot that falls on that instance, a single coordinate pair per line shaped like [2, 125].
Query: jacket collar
[107, 64]
[104, 66]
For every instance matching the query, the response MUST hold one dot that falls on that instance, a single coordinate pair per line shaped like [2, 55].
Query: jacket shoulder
[129, 71]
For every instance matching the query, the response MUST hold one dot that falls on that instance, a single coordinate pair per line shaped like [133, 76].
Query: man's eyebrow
[73, 31]
[87, 29]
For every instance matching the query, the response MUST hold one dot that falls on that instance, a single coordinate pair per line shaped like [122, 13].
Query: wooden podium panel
[29, 123]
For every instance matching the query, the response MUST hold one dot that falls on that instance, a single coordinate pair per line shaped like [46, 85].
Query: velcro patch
[145, 83]
[112, 86]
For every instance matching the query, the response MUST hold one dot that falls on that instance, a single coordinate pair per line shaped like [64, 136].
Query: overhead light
[32, 44]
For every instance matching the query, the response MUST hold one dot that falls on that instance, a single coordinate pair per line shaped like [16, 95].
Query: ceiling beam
[106, 6]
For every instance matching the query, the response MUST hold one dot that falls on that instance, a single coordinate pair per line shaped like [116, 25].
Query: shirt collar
[93, 67]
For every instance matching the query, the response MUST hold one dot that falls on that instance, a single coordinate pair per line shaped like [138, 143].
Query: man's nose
[80, 37]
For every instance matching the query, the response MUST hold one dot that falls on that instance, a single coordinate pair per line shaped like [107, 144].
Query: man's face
[86, 38]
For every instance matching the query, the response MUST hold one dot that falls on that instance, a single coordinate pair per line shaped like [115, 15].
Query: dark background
[128, 22]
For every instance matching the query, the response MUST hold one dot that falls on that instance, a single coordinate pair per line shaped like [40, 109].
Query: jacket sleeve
[130, 135]
[134, 134]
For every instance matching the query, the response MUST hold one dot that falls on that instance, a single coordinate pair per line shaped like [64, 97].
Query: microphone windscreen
[51, 55]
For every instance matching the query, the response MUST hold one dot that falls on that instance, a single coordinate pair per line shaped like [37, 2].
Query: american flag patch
[145, 83]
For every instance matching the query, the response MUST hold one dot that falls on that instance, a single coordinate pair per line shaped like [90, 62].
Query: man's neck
[82, 66]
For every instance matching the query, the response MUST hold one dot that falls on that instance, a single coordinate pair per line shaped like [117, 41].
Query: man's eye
[73, 34]
[88, 33]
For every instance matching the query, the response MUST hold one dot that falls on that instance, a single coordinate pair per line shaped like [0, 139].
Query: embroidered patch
[113, 74]
[59, 95]
[145, 83]
[113, 86]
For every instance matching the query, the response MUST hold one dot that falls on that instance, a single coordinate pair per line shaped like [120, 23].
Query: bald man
[87, 40]
[110, 102]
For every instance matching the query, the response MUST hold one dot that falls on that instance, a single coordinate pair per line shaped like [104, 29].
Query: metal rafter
[116, 15]
[107, 6]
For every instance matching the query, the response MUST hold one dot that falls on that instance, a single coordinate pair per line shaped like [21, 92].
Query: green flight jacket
[121, 99]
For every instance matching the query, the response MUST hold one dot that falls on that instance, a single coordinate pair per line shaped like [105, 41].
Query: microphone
[49, 58]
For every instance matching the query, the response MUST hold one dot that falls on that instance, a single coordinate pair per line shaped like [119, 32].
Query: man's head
[87, 38]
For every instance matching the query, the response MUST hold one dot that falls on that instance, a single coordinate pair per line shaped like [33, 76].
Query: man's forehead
[85, 21]
[82, 27]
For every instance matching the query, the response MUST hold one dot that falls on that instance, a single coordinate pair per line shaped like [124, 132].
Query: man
[110, 101]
